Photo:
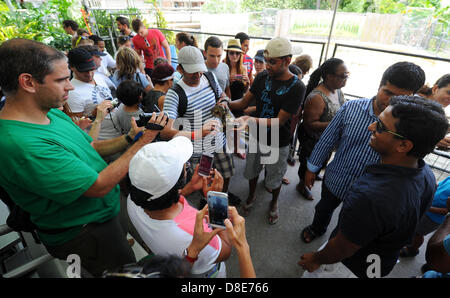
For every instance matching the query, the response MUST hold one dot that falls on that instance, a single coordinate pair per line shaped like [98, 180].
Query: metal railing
[322, 43]
[388, 52]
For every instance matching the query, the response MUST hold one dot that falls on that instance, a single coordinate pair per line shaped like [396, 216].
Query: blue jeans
[324, 210]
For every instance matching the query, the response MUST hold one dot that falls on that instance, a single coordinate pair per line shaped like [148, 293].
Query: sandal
[246, 207]
[407, 252]
[273, 216]
[305, 192]
[310, 234]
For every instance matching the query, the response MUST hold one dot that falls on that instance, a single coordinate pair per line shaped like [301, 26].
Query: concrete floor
[276, 249]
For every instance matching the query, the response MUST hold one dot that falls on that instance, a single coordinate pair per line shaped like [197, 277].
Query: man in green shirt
[52, 169]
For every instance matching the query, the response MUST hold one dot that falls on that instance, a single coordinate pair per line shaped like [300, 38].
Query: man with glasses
[348, 133]
[382, 208]
[276, 92]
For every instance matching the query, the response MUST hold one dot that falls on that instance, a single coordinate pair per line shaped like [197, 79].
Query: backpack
[182, 98]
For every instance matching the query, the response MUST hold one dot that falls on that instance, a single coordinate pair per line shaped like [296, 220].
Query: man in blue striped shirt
[200, 121]
[347, 134]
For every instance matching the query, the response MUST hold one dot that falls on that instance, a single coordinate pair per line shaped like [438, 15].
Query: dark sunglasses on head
[381, 128]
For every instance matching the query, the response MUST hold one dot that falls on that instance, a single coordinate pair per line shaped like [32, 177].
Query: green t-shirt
[46, 169]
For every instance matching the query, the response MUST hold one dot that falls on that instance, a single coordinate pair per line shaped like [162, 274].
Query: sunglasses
[231, 53]
[382, 128]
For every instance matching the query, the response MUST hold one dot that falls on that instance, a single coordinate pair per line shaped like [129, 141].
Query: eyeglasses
[343, 76]
[232, 53]
[381, 128]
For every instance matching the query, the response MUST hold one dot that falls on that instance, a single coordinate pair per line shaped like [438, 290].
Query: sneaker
[233, 200]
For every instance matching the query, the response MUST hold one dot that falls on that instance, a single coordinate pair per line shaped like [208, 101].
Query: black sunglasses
[381, 128]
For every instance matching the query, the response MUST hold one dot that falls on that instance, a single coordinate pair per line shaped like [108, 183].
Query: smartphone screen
[206, 163]
[217, 208]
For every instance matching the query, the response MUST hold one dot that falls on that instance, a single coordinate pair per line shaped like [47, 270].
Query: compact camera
[145, 117]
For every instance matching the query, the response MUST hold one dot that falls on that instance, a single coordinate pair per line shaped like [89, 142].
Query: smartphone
[206, 163]
[217, 208]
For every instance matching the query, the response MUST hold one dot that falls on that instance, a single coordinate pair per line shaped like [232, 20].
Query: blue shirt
[381, 210]
[440, 200]
[139, 78]
[347, 133]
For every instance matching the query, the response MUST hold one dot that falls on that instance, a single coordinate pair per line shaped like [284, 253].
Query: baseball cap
[278, 47]
[156, 168]
[81, 59]
[162, 72]
[191, 58]
[94, 50]
[260, 56]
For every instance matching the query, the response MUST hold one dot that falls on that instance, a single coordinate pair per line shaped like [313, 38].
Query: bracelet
[193, 135]
[226, 100]
[188, 258]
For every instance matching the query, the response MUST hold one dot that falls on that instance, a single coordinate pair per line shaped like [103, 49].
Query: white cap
[156, 167]
[278, 47]
[191, 58]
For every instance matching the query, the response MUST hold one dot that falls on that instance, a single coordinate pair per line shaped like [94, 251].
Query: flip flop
[273, 216]
[311, 235]
[246, 208]
[305, 192]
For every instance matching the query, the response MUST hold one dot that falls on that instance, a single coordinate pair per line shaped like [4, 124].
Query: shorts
[426, 226]
[223, 162]
[274, 172]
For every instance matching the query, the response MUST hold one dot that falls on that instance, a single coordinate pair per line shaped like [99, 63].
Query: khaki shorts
[274, 172]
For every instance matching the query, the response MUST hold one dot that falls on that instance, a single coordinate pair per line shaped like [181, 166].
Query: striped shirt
[347, 133]
[201, 100]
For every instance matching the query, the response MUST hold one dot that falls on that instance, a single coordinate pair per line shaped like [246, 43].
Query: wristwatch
[188, 258]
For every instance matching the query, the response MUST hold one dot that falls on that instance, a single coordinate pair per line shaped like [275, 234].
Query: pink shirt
[173, 236]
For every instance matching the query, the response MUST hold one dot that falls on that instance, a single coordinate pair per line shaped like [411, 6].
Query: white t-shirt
[107, 61]
[172, 237]
[85, 97]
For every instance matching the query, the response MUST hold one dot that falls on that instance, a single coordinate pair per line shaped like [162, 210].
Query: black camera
[145, 117]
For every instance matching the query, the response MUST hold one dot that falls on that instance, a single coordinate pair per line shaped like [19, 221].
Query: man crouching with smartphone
[159, 211]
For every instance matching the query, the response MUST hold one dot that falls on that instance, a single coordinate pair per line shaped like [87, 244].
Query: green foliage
[221, 6]
[161, 21]
[41, 24]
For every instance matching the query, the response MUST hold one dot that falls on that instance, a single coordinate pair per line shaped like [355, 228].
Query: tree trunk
[318, 4]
